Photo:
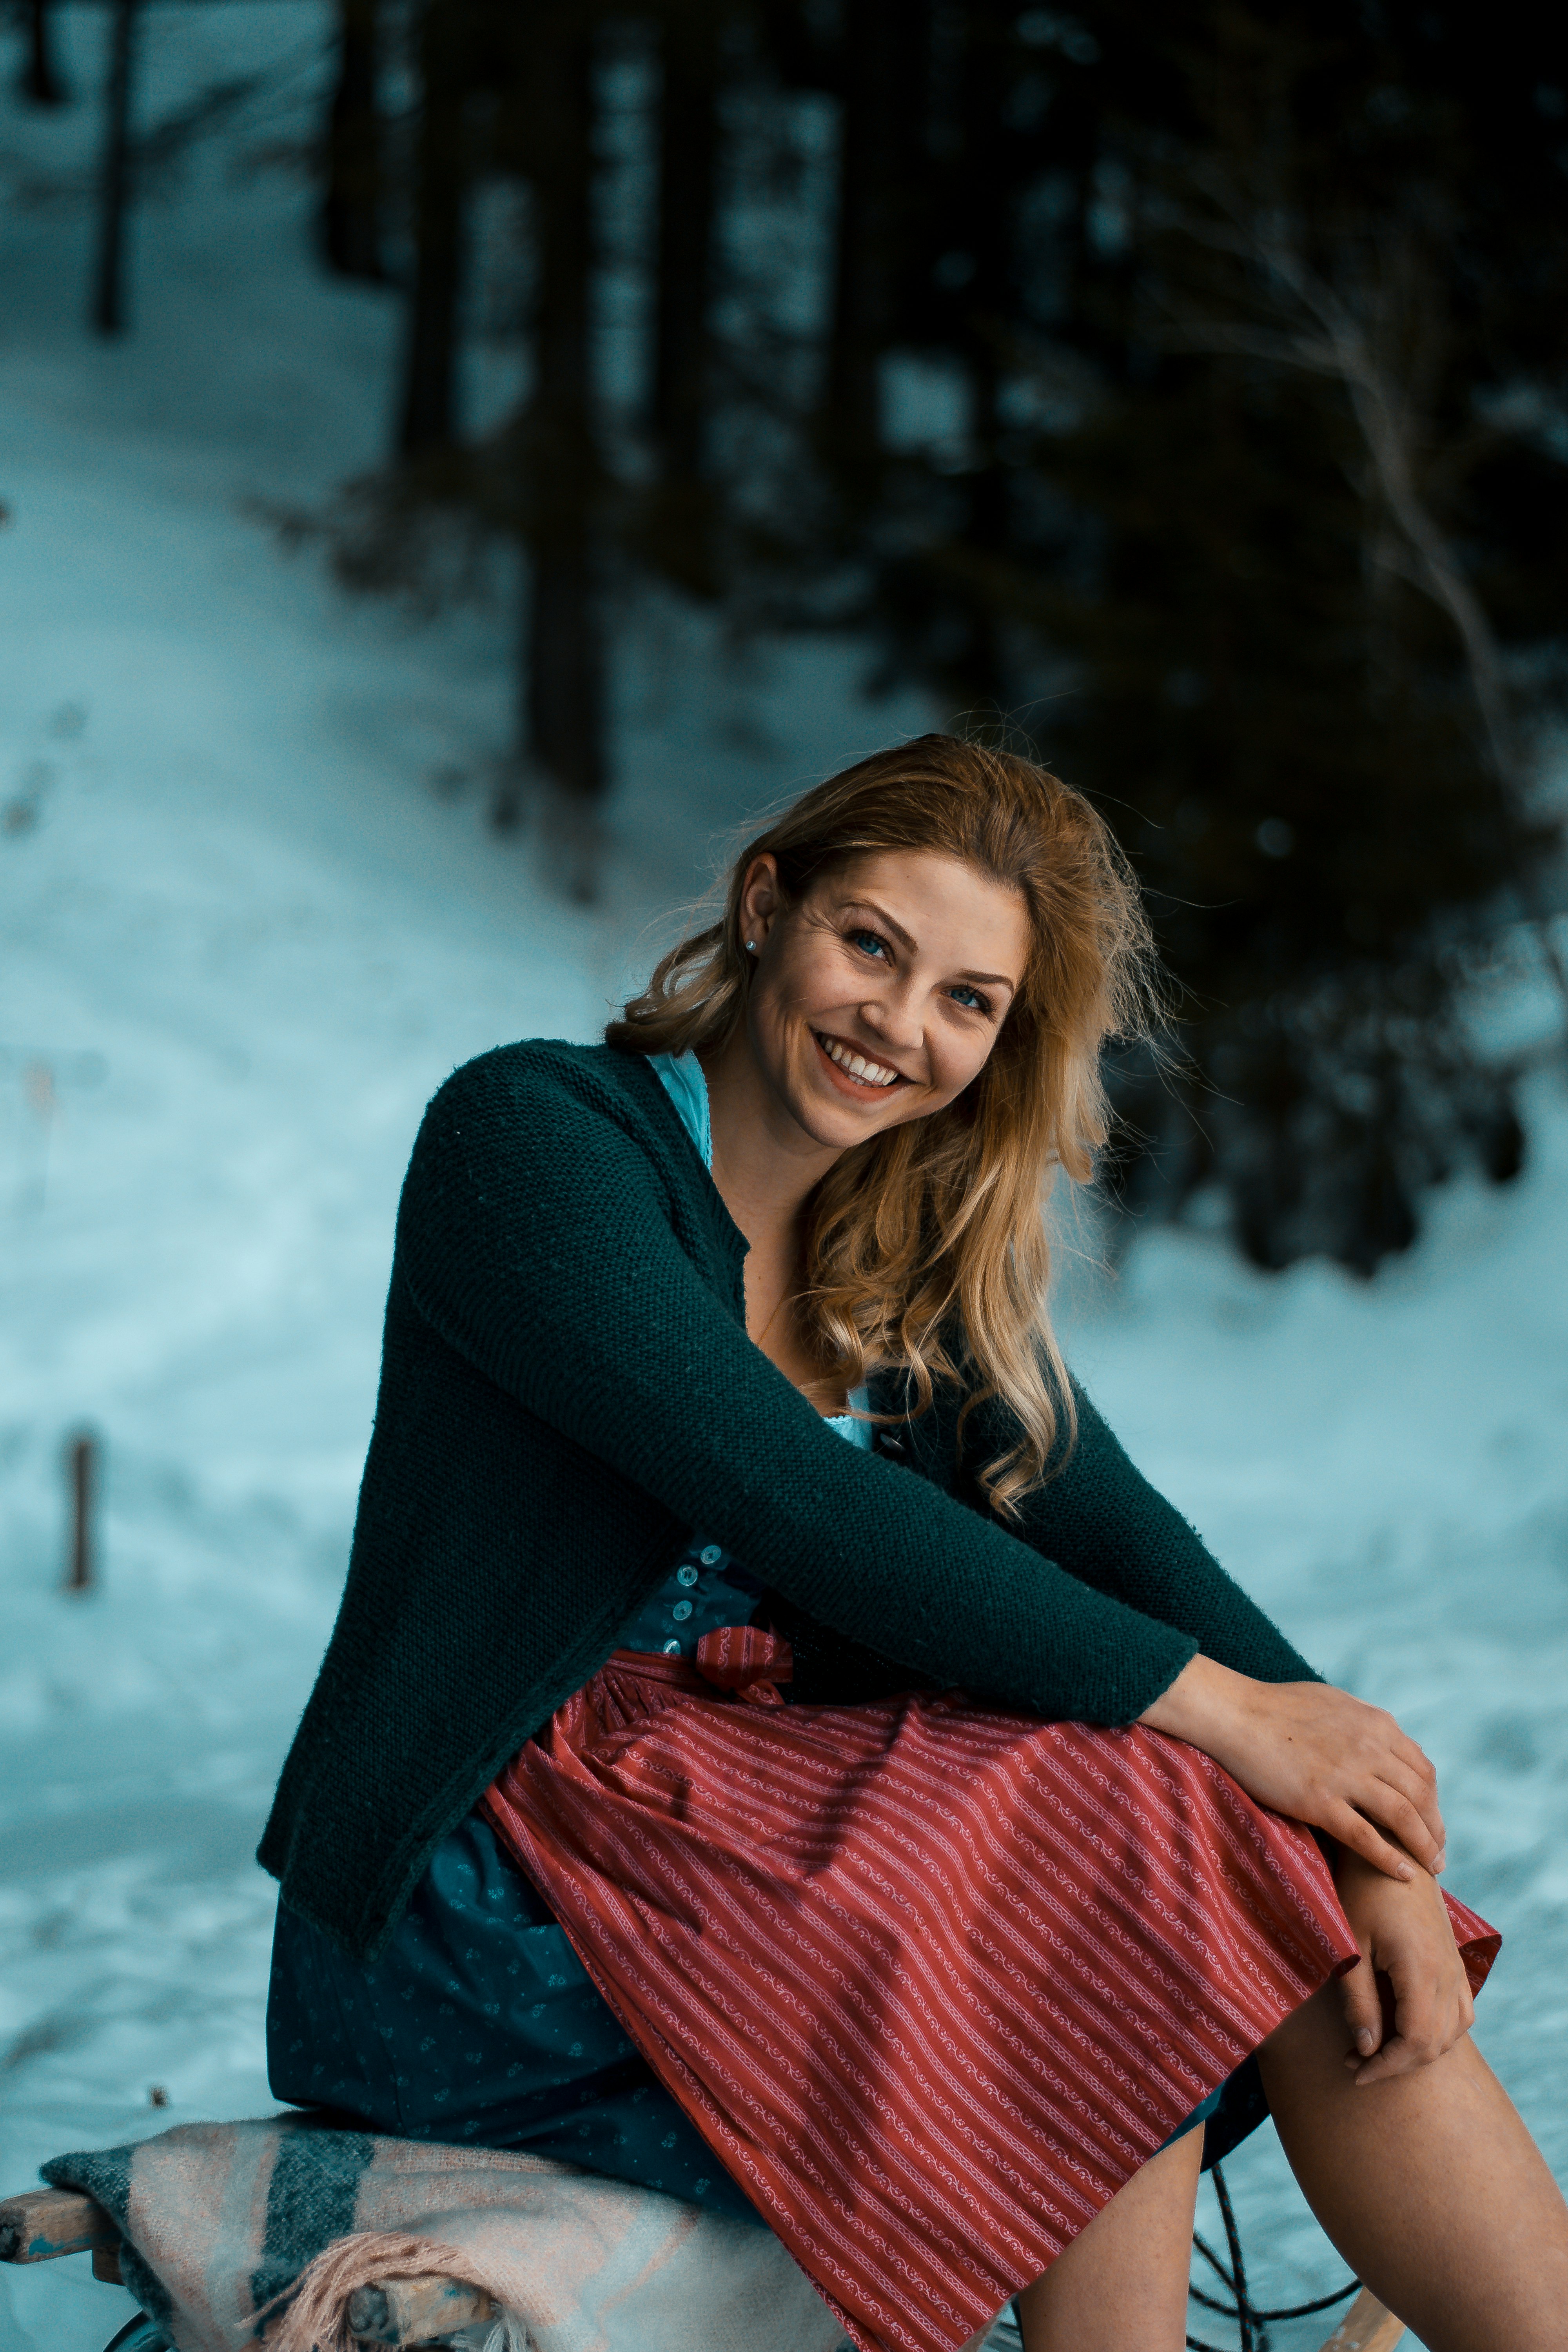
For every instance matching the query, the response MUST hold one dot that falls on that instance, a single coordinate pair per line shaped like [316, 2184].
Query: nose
[893, 1018]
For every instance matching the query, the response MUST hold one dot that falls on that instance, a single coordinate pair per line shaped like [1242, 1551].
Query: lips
[856, 1065]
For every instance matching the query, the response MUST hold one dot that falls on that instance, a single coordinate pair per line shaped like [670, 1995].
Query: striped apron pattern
[931, 1979]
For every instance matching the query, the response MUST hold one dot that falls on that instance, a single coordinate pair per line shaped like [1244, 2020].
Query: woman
[951, 1966]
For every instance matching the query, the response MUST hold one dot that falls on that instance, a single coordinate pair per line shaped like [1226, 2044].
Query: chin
[832, 1124]
[837, 1121]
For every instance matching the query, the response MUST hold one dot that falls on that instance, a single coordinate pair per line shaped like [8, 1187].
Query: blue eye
[978, 1003]
[868, 941]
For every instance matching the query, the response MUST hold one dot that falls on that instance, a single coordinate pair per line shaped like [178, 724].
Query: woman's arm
[537, 1238]
[1248, 1699]
[1315, 1753]
[545, 1238]
[1101, 1520]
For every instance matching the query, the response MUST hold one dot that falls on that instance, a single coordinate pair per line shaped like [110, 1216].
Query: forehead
[930, 891]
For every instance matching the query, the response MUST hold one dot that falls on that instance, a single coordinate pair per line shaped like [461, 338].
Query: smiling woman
[903, 1842]
[962, 925]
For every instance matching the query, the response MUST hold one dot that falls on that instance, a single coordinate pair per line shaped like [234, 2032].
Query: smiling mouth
[854, 1066]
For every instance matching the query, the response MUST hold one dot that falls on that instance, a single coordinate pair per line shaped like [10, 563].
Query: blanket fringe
[314, 2313]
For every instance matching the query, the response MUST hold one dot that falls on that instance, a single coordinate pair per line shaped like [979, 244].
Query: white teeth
[870, 1073]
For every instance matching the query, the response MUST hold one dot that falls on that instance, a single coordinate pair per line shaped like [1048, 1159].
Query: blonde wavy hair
[927, 1248]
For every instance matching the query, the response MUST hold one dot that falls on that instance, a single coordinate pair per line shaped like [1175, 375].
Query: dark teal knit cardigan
[567, 1390]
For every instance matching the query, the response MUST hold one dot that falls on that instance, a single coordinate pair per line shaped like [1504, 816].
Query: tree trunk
[983, 227]
[879, 37]
[564, 665]
[108, 306]
[688, 153]
[351, 226]
[40, 83]
[429, 381]
[565, 672]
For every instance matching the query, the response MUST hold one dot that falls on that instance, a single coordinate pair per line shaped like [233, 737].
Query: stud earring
[751, 947]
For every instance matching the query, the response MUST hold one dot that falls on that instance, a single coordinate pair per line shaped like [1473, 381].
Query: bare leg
[1121, 2286]
[1428, 2184]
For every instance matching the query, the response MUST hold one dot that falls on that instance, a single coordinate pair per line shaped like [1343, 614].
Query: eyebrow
[869, 906]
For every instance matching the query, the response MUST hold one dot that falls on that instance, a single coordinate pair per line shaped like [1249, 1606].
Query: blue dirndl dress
[479, 2025]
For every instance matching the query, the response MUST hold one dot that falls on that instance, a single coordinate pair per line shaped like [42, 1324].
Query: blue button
[711, 1555]
[686, 1576]
[682, 1611]
[672, 1649]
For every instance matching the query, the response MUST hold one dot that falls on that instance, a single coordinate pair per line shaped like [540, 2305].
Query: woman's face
[879, 996]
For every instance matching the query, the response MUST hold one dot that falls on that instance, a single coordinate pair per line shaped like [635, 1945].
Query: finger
[1424, 2022]
[1395, 2057]
[1362, 2009]
[1420, 1792]
[1432, 1834]
[1402, 2056]
[1411, 1753]
[1353, 1829]
[1389, 1806]
[1459, 2009]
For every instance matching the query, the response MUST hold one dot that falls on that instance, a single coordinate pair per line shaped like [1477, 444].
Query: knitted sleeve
[537, 1238]
[1104, 1523]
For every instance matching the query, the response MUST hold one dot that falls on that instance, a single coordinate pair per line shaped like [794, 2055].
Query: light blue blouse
[708, 1588]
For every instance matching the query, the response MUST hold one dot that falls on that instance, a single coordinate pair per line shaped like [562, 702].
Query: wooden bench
[46, 2223]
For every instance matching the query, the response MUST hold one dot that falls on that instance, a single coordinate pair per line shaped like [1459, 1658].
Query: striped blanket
[244, 2231]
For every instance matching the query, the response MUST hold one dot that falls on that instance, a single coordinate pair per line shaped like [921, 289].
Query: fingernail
[1364, 2041]
[1405, 1870]
[1441, 1858]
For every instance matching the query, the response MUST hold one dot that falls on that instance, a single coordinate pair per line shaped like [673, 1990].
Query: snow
[1386, 1465]
[245, 939]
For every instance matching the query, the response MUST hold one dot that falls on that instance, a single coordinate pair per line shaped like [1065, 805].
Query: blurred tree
[554, 442]
[132, 163]
[1184, 387]
[683, 282]
[1259, 322]
[1324, 299]
[881, 51]
[40, 80]
[671, 527]
[506, 95]
[429, 418]
[114, 172]
[350, 201]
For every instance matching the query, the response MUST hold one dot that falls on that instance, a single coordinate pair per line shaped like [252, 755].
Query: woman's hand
[1315, 1753]
[1403, 1934]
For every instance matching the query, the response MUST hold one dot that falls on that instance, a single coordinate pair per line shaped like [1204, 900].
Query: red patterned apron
[931, 1979]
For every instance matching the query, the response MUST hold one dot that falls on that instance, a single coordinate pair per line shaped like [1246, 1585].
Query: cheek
[801, 986]
[811, 974]
[956, 1062]
[763, 1014]
[773, 1017]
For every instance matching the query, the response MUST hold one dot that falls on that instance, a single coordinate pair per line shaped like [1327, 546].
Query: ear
[761, 898]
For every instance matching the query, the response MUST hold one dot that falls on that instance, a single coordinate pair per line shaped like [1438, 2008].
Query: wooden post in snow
[82, 1468]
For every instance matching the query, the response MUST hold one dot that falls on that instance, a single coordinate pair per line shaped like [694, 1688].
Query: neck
[764, 1163]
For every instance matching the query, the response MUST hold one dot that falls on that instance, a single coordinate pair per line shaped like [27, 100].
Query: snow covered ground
[244, 939]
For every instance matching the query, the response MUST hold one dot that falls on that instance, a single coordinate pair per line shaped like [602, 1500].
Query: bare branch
[1327, 335]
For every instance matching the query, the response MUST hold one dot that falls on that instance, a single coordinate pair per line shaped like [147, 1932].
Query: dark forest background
[1177, 391]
